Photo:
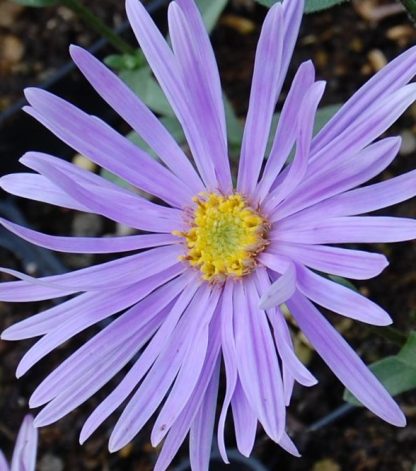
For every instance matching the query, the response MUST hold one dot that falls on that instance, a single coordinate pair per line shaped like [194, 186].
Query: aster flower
[24, 455]
[220, 260]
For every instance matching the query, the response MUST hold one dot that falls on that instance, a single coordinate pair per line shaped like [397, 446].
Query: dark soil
[347, 44]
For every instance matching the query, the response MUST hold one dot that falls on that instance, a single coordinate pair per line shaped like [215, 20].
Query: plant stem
[391, 334]
[410, 6]
[98, 26]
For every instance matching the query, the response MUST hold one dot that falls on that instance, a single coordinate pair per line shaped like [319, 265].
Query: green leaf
[397, 373]
[37, 3]
[211, 11]
[145, 86]
[311, 6]
[116, 180]
[234, 125]
[121, 62]
[408, 352]
[323, 115]
[343, 281]
[171, 124]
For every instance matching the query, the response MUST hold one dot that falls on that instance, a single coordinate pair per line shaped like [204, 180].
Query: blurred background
[348, 44]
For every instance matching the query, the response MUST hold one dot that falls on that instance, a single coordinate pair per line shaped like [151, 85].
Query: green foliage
[145, 86]
[116, 180]
[211, 11]
[234, 127]
[311, 6]
[343, 281]
[120, 62]
[37, 3]
[323, 115]
[171, 124]
[397, 373]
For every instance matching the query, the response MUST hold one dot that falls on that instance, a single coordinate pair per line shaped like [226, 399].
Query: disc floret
[225, 236]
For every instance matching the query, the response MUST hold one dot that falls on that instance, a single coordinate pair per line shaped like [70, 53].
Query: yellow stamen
[225, 236]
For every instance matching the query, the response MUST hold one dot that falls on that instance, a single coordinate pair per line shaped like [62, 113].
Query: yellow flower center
[225, 236]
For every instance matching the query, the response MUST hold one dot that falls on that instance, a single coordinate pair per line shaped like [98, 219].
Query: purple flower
[220, 261]
[24, 455]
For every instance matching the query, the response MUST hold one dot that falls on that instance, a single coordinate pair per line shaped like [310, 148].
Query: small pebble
[408, 142]
[371, 10]
[87, 225]
[377, 59]
[238, 23]
[402, 34]
[326, 465]
[123, 230]
[84, 163]
[50, 462]
[9, 13]
[11, 51]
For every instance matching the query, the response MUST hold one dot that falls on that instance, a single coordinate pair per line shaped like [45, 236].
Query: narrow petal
[89, 244]
[344, 362]
[340, 177]
[274, 261]
[266, 85]
[29, 289]
[190, 43]
[129, 106]
[50, 319]
[340, 299]
[108, 200]
[358, 201]
[288, 384]
[100, 307]
[93, 138]
[38, 188]
[355, 264]
[273, 55]
[245, 421]
[161, 377]
[390, 78]
[282, 336]
[368, 126]
[4, 465]
[287, 444]
[258, 367]
[109, 275]
[360, 229]
[208, 379]
[166, 70]
[281, 290]
[141, 366]
[199, 33]
[298, 167]
[230, 362]
[39, 161]
[189, 372]
[202, 428]
[107, 340]
[84, 387]
[286, 350]
[24, 455]
[45, 321]
[285, 136]
[55, 316]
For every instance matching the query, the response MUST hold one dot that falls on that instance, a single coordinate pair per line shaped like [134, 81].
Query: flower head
[25, 450]
[219, 261]
[225, 236]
